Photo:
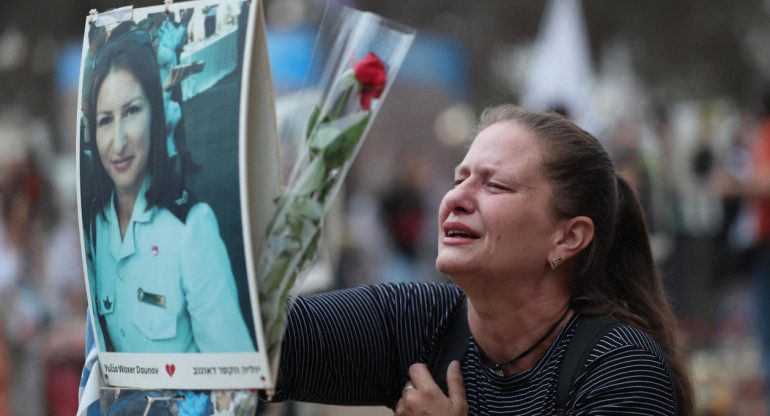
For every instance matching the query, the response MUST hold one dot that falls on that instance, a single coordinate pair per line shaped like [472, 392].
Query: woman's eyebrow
[131, 101]
[488, 170]
[482, 169]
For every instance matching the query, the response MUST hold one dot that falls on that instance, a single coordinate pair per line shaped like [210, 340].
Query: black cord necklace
[498, 368]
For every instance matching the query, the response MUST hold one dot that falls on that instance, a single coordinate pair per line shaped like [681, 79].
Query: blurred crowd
[41, 276]
[700, 166]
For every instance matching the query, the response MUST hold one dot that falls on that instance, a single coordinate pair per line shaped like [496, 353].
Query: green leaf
[312, 248]
[275, 220]
[322, 138]
[275, 275]
[286, 244]
[294, 224]
[353, 135]
[308, 208]
[340, 151]
[313, 120]
[312, 177]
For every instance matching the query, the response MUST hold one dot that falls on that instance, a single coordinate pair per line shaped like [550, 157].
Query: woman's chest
[142, 270]
[528, 393]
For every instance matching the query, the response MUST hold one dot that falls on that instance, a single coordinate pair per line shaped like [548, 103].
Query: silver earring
[555, 263]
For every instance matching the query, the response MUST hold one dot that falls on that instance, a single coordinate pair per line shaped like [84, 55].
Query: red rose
[370, 72]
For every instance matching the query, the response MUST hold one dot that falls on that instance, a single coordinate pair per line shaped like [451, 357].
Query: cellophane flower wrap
[365, 55]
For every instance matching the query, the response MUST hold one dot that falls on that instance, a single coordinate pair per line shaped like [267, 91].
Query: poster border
[195, 370]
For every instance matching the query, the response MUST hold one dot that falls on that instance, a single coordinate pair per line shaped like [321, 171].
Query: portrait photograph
[164, 244]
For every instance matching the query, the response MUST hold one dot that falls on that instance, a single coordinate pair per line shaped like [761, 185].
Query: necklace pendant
[499, 372]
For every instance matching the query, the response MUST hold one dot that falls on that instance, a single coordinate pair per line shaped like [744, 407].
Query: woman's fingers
[454, 378]
[422, 396]
[420, 376]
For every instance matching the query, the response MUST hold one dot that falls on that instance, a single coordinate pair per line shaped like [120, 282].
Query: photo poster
[178, 166]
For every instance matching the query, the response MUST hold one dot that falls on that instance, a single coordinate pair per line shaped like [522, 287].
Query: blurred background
[675, 90]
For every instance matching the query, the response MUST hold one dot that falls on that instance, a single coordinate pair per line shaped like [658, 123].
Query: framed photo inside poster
[178, 166]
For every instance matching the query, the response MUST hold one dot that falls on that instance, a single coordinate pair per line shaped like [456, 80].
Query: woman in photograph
[538, 233]
[160, 276]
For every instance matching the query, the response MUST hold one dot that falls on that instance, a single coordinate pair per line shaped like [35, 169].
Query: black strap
[450, 346]
[589, 330]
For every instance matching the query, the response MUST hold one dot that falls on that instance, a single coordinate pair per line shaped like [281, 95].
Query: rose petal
[370, 72]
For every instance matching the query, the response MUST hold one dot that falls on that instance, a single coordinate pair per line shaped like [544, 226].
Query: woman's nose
[120, 136]
[460, 198]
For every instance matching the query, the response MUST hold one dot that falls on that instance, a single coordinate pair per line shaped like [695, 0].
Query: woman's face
[123, 130]
[496, 218]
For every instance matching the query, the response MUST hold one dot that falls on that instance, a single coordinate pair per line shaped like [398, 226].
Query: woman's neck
[124, 209]
[505, 327]
[126, 198]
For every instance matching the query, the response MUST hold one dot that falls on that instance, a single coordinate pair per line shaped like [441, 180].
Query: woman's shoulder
[188, 214]
[626, 338]
[178, 201]
[626, 351]
[200, 211]
[625, 369]
[198, 221]
[201, 222]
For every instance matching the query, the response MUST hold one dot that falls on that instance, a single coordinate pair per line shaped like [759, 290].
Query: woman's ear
[577, 234]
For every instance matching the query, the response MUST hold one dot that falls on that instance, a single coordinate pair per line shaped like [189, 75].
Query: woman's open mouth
[458, 233]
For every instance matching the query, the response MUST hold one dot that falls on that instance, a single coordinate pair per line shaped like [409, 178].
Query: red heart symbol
[170, 369]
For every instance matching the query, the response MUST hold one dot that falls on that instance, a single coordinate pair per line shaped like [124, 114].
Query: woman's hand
[422, 396]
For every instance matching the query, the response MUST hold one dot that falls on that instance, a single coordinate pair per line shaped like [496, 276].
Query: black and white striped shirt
[355, 346]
